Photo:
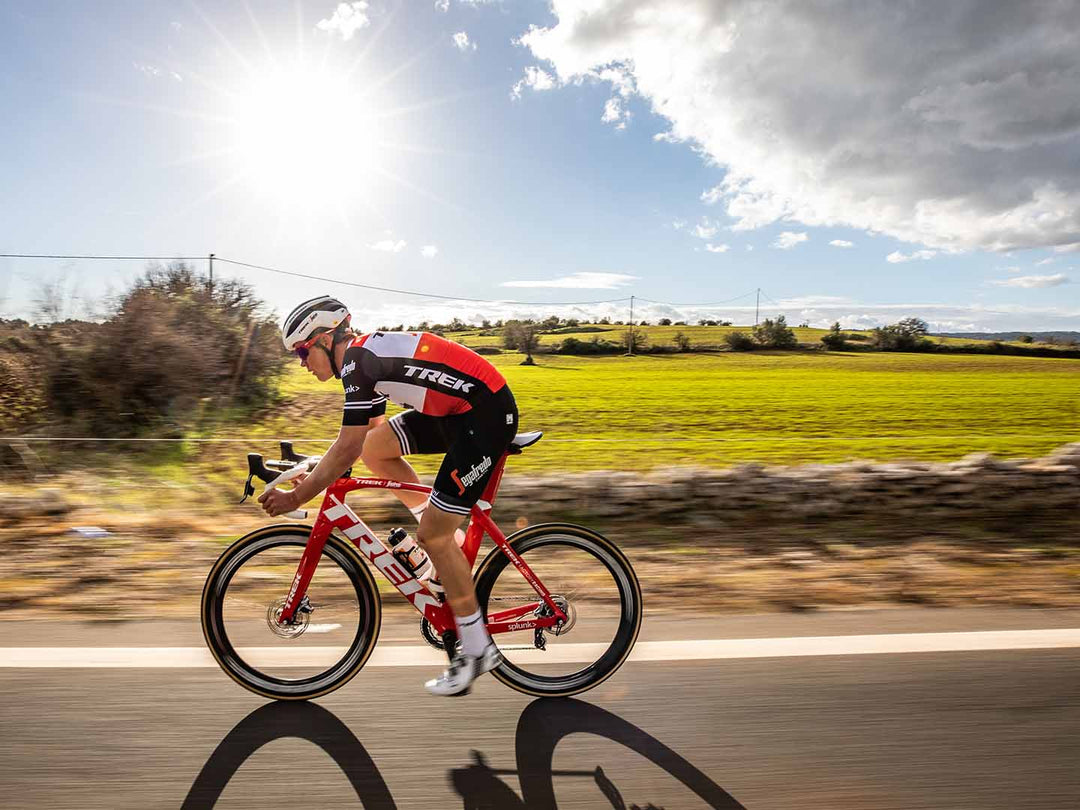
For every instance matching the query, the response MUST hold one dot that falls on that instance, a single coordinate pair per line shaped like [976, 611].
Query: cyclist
[459, 404]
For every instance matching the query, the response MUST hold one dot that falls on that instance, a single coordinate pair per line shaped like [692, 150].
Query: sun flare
[304, 135]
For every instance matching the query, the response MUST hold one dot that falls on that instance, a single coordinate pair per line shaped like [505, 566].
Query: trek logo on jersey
[440, 377]
[472, 476]
[348, 368]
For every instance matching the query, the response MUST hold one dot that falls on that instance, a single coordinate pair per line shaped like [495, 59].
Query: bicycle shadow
[542, 725]
[308, 721]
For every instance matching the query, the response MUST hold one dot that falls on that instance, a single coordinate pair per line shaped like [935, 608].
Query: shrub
[681, 341]
[740, 342]
[908, 335]
[588, 347]
[775, 334]
[171, 343]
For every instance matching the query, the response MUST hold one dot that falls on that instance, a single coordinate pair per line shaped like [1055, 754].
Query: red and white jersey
[419, 370]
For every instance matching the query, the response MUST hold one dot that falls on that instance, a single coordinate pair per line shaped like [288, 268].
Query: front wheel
[593, 583]
[334, 630]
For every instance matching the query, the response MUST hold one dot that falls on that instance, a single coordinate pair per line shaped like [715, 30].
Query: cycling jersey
[430, 374]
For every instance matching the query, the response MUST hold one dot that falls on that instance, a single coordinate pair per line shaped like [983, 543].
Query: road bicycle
[291, 612]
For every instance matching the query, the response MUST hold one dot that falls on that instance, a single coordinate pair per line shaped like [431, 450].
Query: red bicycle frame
[336, 514]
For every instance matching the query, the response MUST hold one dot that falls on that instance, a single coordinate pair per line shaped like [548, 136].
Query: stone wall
[978, 486]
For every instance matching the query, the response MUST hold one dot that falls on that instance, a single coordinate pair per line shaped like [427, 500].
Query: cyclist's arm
[341, 455]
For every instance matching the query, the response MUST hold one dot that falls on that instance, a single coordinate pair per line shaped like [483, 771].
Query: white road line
[556, 653]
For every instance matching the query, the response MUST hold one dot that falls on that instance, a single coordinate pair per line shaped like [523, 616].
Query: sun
[304, 135]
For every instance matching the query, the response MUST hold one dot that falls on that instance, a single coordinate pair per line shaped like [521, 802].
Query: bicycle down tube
[335, 513]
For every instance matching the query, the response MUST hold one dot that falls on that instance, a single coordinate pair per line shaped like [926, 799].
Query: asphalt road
[991, 729]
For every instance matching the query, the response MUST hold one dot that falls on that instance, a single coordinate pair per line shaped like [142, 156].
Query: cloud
[147, 70]
[1045, 262]
[1033, 282]
[1073, 248]
[789, 239]
[389, 245]
[442, 5]
[841, 243]
[348, 18]
[535, 78]
[615, 113]
[955, 126]
[703, 230]
[461, 42]
[717, 248]
[429, 251]
[579, 281]
[896, 257]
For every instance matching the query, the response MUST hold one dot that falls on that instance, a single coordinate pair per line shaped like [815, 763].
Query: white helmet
[322, 313]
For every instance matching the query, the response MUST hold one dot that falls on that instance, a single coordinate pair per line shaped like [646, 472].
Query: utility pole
[630, 337]
[211, 273]
[757, 306]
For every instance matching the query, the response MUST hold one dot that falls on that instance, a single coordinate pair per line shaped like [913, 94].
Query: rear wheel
[331, 636]
[591, 580]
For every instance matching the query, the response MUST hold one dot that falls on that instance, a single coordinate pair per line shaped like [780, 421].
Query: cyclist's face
[318, 360]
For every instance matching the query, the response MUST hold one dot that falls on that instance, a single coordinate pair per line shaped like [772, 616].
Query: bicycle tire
[340, 553]
[631, 607]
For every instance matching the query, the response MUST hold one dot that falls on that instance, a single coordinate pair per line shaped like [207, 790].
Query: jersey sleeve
[358, 377]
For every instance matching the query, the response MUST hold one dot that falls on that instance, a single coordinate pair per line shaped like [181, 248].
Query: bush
[775, 334]
[171, 343]
[740, 342]
[588, 347]
[681, 341]
[487, 350]
[908, 335]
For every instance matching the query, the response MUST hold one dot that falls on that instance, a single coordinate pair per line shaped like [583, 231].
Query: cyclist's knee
[431, 540]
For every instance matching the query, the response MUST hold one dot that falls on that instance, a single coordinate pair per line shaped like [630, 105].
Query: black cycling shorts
[473, 441]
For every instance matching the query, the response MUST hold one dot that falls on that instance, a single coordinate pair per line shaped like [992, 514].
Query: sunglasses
[302, 350]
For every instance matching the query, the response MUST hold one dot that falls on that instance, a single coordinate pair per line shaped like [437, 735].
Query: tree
[908, 335]
[834, 338]
[634, 340]
[524, 336]
[1027, 339]
[775, 334]
[665, 322]
[681, 341]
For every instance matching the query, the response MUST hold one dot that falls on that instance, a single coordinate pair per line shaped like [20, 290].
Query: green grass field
[777, 408]
[706, 337]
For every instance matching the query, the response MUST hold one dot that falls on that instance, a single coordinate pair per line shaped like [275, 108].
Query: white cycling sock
[418, 511]
[473, 634]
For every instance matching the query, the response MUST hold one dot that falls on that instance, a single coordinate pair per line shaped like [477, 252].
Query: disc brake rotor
[295, 628]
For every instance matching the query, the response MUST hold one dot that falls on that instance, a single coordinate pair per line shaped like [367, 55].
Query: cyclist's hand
[276, 502]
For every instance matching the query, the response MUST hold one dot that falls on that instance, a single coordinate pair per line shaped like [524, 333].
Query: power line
[707, 304]
[214, 257]
[114, 258]
[414, 292]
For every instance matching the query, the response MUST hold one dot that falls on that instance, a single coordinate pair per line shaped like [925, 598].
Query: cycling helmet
[322, 313]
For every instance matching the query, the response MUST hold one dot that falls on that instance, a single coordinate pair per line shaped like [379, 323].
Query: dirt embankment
[691, 550]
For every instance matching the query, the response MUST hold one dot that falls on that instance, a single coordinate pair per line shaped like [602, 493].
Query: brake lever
[249, 490]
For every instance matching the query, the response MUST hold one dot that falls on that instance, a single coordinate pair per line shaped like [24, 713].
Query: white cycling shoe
[463, 670]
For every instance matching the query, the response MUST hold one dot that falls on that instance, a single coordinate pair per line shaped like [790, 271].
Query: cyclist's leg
[477, 440]
[436, 535]
[390, 440]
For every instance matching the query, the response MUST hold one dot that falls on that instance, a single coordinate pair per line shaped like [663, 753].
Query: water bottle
[408, 553]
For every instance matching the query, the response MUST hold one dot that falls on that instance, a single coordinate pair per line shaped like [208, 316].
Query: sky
[855, 161]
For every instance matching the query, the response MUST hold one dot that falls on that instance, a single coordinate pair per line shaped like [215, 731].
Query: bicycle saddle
[523, 440]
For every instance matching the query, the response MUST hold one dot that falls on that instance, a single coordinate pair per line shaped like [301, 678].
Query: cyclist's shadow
[308, 721]
[542, 725]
